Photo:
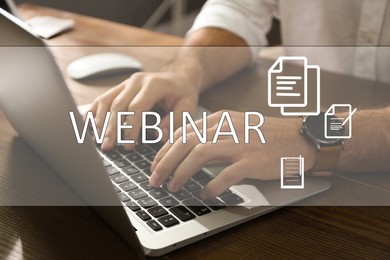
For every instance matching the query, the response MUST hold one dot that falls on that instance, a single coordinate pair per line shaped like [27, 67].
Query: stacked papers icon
[290, 89]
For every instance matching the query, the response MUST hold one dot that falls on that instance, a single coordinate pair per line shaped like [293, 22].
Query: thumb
[174, 119]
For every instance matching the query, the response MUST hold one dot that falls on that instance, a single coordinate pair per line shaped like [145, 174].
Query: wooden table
[291, 232]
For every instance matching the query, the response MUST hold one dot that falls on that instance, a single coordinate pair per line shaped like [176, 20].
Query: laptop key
[143, 164]
[123, 197]
[196, 206]
[137, 194]
[134, 157]
[117, 190]
[192, 186]
[147, 171]
[133, 206]
[121, 163]
[154, 225]
[205, 181]
[226, 192]
[157, 211]
[113, 155]
[111, 170]
[146, 186]
[182, 213]
[142, 149]
[128, 186]
[232, 199]
[129, 170]
[120, 149]
[169, 202]
[150, 156]
[181, 195]
[139, 177]
[202, 177]
[158, 193]
[118, 178]
[106, 163]
[196, 193]
[214, 204]
[147, 202]
[168, 221]
[143, 215]
[155, 147]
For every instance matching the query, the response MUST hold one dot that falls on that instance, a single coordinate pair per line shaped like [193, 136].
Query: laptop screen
[9, 6]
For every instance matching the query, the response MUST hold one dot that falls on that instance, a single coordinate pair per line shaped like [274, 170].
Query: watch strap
[327, 161]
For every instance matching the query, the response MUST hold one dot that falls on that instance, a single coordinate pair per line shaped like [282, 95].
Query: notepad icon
[292, 172]
[336, 126]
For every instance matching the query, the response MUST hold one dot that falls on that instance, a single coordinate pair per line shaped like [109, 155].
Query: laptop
[9, 6]
[153, 221]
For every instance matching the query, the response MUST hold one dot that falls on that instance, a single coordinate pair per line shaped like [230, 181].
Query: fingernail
[153, 180]
[106, 143]
[172, 186]
[128, 147]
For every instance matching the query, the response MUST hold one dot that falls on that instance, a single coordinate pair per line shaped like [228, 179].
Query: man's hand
[253, 160]
[142, 92]
[196, 66]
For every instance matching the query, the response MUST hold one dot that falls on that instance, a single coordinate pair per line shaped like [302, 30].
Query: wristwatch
[313, 128]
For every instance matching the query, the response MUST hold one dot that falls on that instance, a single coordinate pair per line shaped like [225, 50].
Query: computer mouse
[102, 64]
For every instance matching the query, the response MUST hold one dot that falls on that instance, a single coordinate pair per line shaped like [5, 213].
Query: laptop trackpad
[250, 193]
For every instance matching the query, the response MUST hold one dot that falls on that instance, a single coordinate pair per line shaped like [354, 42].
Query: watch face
[315, 126]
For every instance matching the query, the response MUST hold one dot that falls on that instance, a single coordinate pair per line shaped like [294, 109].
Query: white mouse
[102, 64]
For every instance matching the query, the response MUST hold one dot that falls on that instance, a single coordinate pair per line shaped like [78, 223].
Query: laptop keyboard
[129, 171]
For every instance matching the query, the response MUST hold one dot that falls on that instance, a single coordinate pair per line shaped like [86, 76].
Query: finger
[183, 105]
[145, 100]
[102, 105]
[212, 121]
[120, 103]
[170, 157]
[167, 164]
[178, 137]
[198, 157]
[93, 108]
[224, 180]
[161, 153]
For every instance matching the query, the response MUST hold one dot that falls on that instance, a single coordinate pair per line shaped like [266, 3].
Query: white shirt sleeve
[248, 19]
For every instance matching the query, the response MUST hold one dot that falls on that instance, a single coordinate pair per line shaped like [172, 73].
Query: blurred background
[167, 16]
[170, 16]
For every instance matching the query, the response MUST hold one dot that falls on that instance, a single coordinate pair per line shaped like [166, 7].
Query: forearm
[369, 148]
[210, 55]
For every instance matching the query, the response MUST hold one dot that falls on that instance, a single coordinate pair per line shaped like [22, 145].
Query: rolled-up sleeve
[248, 19]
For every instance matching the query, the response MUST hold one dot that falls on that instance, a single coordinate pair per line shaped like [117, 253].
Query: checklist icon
[292, 173]
[338, 127]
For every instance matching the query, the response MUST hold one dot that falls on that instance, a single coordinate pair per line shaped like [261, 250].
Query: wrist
[328, 150]
[305, 147]
[189, 75]
[309, 150]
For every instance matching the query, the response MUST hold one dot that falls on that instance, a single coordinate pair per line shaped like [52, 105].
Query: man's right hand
[141, 92]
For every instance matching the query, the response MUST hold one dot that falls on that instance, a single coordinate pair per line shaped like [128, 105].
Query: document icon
[289, 87]
[338, 127]
[292, 172]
